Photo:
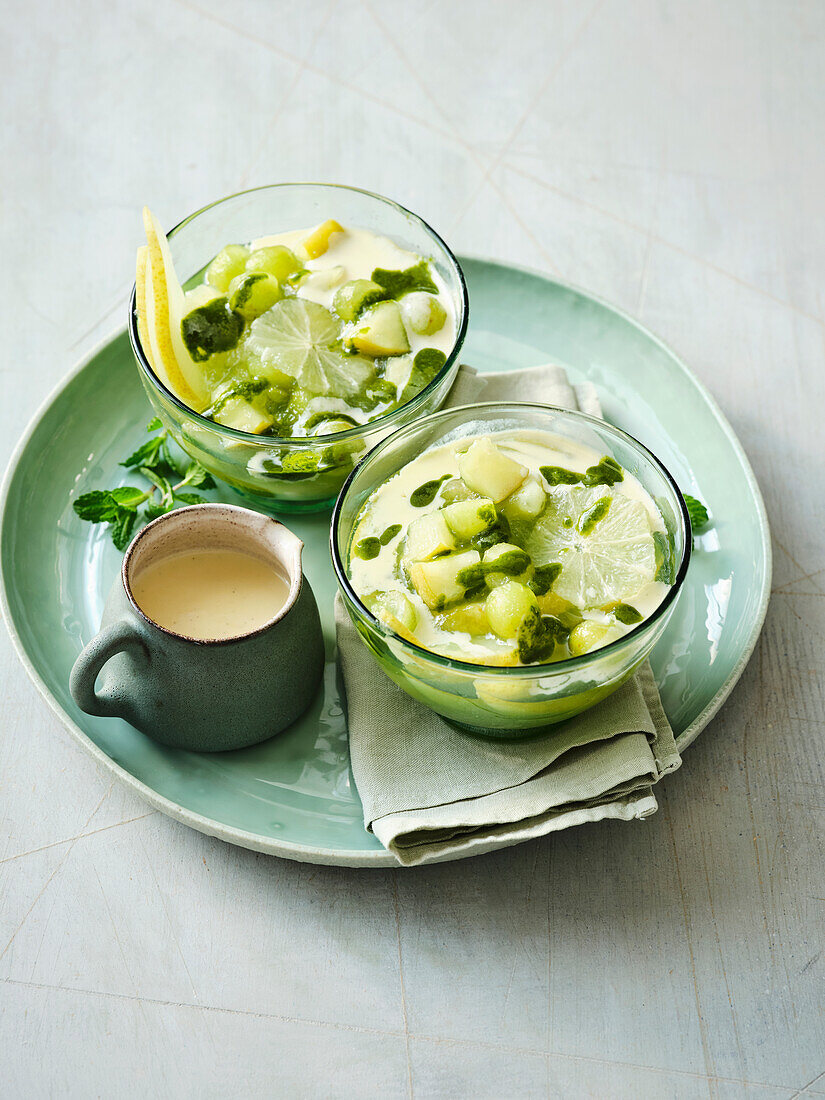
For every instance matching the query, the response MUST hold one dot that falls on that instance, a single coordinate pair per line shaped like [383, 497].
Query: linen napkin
[431, 792]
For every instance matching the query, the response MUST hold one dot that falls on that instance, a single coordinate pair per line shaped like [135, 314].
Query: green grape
[252, 294]
[274, 259]
[228, 263]
[423, 313]
[507, 605]
[352, 298]
[588, 635]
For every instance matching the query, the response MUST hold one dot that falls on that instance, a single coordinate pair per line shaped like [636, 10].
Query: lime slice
[299, 338]
[612, 560]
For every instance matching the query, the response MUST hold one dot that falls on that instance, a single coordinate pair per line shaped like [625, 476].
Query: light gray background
[666, 155]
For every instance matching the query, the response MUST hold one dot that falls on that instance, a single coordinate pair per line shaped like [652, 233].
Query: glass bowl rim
[386, 419]
[524, 671]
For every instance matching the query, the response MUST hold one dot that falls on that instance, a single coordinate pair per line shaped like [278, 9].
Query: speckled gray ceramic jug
[205, 695]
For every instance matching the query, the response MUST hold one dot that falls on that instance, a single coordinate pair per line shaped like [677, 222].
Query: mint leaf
[127, 496]
[164, 469]
[119, 507]
[161, 482]
[664, 558]
[99, 506]
[147, 454]
[626, 613]
[698, 513]
[157, 508]
[197, 477]
[122, 527]
[300, 461]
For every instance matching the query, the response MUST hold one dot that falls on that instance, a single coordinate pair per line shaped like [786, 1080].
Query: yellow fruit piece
[589, 635]
[514, 700]
[164, 311]
[506, 659]
[471, 618]
[399, 628]
[140, 301]
[317, 242]
[143, 301]
[240, 414]
[552, 604]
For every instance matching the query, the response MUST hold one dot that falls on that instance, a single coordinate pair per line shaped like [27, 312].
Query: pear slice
[164, 311]
[140, 301]
[144, 299]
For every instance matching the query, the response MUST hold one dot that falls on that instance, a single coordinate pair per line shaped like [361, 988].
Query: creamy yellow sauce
[210, 594]
[390, 504]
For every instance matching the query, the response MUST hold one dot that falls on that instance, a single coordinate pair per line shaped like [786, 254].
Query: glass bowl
[258, 466]
[496, 701]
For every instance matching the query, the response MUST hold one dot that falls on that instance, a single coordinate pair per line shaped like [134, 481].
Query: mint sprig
[698, 513]
[169, 479]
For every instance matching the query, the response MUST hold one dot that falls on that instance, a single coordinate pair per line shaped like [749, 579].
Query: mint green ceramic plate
[294, 795]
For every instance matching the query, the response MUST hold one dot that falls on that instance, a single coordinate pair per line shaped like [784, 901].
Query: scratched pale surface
[667, 156]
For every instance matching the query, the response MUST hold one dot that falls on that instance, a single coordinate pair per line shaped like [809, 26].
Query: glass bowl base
[273, 506]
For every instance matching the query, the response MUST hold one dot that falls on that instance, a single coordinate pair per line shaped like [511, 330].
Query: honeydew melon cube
[437, 583]
[392, 607]
[526, 503]
[253, 293]
[455, 489]
[486, 470]
[274, 259]
[513, 563]
[428, 536]
[240, 414]
[380, 331]
[466, 518]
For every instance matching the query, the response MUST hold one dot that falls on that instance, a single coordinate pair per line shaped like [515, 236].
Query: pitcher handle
[86, 669]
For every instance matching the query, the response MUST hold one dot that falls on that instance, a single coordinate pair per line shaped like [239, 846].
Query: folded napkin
[431, 792]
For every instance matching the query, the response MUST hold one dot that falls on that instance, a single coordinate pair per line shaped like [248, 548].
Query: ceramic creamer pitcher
[206, 695]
